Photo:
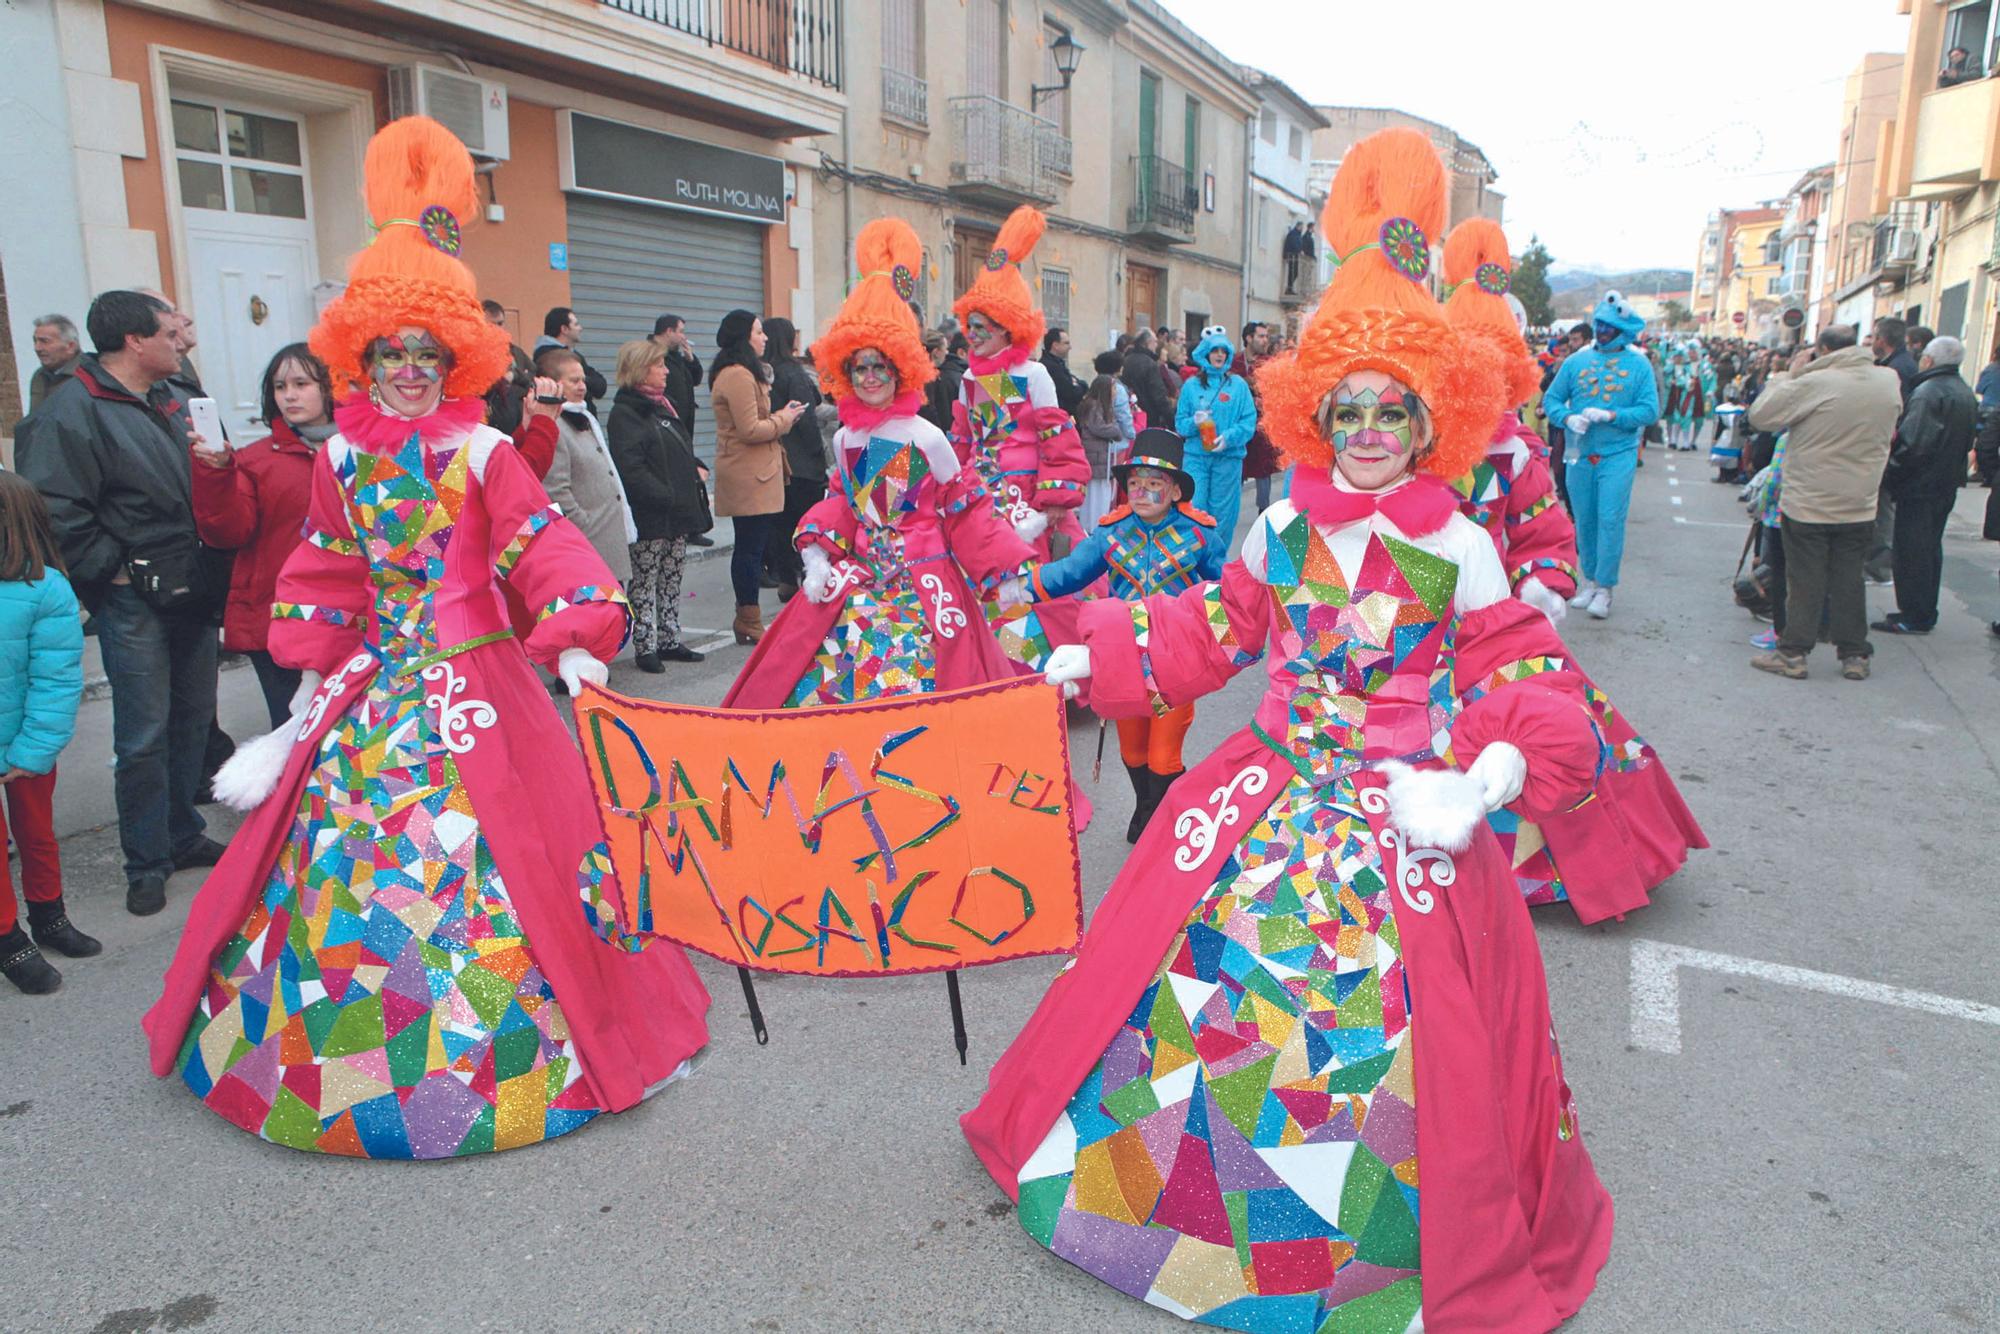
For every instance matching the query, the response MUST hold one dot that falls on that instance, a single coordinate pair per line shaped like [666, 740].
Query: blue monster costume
[1218, 470]
[1605, 398]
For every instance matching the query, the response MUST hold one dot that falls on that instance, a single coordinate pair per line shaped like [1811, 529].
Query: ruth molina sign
[608, 157]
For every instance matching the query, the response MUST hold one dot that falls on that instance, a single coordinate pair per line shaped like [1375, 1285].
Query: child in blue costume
[1216, 417]
[1156, 541]
[1605, 398]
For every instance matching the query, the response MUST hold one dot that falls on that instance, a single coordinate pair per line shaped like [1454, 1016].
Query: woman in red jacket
[253, 501]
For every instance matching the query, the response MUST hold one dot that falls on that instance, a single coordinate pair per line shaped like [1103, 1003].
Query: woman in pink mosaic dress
[392, 960]
[1302, 1074]
[897, 559]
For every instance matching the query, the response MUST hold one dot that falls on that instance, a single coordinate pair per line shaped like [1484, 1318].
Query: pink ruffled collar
[1014, 356]
[1418, 506]
[364, 425]
[858, 416]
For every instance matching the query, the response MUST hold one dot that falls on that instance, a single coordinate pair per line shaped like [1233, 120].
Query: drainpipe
[1249, 190]
[846, 203]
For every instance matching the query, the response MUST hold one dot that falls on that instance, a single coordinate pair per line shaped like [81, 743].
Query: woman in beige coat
[749, 458]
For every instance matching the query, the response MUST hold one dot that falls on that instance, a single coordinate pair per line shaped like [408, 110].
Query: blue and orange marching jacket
[1141, 559]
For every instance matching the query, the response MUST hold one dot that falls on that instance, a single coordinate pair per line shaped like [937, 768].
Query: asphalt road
[1807, 1161]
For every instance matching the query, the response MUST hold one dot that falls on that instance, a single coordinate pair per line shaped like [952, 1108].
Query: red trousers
[29, 815]
[1155, 743]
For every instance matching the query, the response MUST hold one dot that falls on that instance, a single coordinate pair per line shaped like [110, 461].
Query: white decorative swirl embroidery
[1197, 828]
[335, 686]
[456, 720]
[1411, 868]
[846, 575]
[950, 620]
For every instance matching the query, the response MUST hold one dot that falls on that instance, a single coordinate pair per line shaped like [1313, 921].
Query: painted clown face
[988, 337]
[1378, 429]
[873, 377]
[408, 369]
[1151, 492]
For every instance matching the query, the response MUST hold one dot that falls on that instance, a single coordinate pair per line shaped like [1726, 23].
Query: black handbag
[180, 577]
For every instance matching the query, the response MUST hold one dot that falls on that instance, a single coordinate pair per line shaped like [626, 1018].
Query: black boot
[1161, 782]
[52, 929]
[24, 965]
[1142, 801]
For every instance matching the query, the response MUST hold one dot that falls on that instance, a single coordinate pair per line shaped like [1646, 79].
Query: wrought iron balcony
[799, 37]
[1165, 200]
[906, 97]
[1004, 154]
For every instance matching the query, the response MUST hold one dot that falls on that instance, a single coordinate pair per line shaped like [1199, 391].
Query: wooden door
[1142, 297]
[970, 248]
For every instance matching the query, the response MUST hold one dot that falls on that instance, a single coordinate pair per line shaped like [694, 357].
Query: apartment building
[1801, 242]
[1279, 288]
[637, 156]
[1743, 278]
[1845, 282]
[1937, 187]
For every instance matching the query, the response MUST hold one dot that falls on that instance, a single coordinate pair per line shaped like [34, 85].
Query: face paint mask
[399, 358]
[1369, 420]
[1607, 333]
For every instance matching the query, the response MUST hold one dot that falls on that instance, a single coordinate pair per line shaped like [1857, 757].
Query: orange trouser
[1155, 743]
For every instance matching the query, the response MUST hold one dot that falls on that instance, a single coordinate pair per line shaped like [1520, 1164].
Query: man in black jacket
[561, 328]
[1926, 468]
[110, 452]
[1142, 376]
[1890, 342]
[1055, 360]
[683, 367]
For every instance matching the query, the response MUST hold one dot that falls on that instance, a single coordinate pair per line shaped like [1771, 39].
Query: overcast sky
[1616, 127]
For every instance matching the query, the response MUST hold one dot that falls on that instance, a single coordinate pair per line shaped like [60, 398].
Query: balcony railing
[1004, 152]
[800, 37]
[1164, 199]
[905, 96]
[1056, 153]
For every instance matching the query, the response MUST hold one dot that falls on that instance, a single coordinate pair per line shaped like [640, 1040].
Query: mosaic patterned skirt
[382, 1002]
[880, 645]
[1245, 1151]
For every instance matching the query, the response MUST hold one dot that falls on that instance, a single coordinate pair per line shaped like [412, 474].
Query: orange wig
[420, 188]
[877, 312]
[1000, 293]
[1478, 270]
[1386, 202]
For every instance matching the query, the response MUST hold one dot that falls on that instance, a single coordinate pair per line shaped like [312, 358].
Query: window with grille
[986, 48]
[905, 95]
[1055, 297]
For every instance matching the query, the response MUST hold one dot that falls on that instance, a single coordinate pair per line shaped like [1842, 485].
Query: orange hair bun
[1478, 270]
[420, 191]
[1000, 292]
[877, 311]
[1386, 203]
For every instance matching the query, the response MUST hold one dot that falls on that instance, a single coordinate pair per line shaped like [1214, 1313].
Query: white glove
[1543, 599]
[1013, 592]
[1030, 526]
[1500, 770]
[818, 583]
[309, 682]
[1599, 414]
[1068, 664]
[1576, 423]
[575, 666]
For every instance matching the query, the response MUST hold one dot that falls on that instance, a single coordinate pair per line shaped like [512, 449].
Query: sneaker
[1584, 592]
[1766, 640]
[202, 852]
[24, 965]
[1600, 604]
[1882, 581]
[1789, 665]
[1896, 625]
[146, 895]
[1854, 669]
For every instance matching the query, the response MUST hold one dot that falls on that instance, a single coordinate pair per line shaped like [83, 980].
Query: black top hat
[1157, 448]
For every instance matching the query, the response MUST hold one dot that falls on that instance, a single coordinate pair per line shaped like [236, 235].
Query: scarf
[658, 398]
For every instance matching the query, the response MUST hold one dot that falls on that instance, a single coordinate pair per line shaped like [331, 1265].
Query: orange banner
[907, 835]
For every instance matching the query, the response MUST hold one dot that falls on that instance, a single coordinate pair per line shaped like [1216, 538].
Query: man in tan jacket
[1840, 411]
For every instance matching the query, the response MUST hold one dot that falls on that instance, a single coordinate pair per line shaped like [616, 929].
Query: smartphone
[207, 419]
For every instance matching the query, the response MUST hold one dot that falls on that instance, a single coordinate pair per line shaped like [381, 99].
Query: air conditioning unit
[473, 109]
[1903, 243]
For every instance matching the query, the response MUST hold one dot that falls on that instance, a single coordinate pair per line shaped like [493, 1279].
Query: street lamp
[1068, 53]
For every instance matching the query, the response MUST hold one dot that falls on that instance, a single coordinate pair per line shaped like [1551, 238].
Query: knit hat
[1000, 293]
[1386, 202]
[877, 312]
[420, 189]
[1477, 272]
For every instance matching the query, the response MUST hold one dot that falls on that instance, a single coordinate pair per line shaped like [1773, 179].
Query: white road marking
[1673, 481]
[1656, 990]
[1707, 523]
[1675, 499]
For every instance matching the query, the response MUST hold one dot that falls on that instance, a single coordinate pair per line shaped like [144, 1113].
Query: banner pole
[957, 1013]
[1097, 768]
[756, 1010]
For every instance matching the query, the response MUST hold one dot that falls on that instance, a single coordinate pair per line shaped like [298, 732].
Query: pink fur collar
[858, 416]
[366, 426]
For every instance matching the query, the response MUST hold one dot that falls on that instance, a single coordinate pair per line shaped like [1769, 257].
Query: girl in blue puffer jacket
[41, 680]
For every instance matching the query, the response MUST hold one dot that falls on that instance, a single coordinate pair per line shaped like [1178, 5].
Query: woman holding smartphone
[750, 468]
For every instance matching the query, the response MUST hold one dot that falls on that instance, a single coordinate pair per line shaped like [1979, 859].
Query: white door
[247, 216]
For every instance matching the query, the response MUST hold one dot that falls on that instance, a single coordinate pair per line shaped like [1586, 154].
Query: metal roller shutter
[630, 263]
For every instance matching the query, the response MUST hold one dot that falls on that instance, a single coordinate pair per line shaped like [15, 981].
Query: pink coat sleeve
[1541, 539]
[575, 599]
[985, 546]
[961, 423]
[828, 525]
[322, 602]
[1153, 656]
[1062, 470]
[1510, 667]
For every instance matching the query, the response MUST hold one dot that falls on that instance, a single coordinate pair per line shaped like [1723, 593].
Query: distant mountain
[1639, 280]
